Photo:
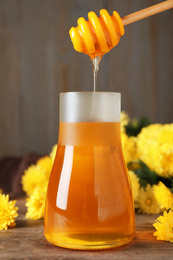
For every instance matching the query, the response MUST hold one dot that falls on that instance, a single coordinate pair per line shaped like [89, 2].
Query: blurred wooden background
[37, 62]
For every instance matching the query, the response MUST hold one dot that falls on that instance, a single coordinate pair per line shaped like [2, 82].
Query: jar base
[89, 241]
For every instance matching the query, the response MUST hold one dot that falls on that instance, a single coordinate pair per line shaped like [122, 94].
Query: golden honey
[89, 200]
[98, 35]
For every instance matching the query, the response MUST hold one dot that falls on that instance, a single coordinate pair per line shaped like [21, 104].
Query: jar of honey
[89, 201]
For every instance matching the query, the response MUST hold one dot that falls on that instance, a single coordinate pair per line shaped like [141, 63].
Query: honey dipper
[100, 34]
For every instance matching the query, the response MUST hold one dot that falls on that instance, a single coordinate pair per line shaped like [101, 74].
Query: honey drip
[95, 64]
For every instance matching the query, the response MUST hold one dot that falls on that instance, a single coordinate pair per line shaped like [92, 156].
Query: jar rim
[90, 92]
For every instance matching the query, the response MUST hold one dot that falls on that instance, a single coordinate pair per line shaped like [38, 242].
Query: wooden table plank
[27, 241]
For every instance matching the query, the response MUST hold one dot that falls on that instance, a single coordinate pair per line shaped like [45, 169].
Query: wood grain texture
[26, 241]
[147, 12]
[37, 62]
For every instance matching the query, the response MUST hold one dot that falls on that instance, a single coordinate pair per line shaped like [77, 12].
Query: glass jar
[89, 201]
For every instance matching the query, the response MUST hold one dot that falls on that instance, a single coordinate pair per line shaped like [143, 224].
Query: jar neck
[90, 107]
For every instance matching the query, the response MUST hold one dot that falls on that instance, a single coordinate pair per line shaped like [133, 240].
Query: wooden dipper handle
[155, 9]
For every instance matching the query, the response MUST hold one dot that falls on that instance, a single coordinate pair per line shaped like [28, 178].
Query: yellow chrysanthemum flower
[129, 145]
[7, 212]
[147, 202]
[124, 120]
[164, 196]
[155, 148]
[53, 152]
[46, 163]
[135, 185]
[34, 176]
[164, 227]
[1, 191]
[36, 203]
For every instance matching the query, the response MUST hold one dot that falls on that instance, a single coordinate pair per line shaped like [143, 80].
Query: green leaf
[135, 127]
[147, 176]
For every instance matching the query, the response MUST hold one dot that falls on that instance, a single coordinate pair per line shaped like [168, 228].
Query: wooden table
[27, 241]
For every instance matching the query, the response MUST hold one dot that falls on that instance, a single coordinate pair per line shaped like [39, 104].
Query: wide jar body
[89, 201]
